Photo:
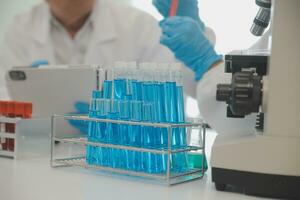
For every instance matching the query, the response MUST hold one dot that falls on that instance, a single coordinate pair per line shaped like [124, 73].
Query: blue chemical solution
[107, 89]
[124, 114]
[135, 157]
[160, 134]
[136, 90]
[91, 157]
[103, 107]
[149, 159]
[175, 114]
[180, 160]
[137, 101]
[114, 138]
[120, 88]
[171, 103]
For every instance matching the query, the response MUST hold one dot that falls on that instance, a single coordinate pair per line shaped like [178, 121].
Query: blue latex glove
[38, 63]
[185, 38]
[82, 108]
[186, 8]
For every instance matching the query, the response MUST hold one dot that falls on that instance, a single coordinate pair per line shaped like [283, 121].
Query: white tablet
[52, 89]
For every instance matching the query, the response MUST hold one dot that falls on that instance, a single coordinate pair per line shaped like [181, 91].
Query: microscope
[267, 162]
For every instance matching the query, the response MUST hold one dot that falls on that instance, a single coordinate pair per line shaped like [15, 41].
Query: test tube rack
[8, 139]
[12, 113]
[79, 159]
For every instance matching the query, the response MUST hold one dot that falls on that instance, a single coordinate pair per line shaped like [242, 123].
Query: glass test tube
[124, 114]
[149, 159]
[113, 134]
[92, 128]
[135, 157]
[103, 153]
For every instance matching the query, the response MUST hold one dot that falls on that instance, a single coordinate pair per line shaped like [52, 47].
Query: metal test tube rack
[167, 178]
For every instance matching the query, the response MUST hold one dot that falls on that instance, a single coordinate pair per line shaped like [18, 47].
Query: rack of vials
[136, 127]
[10, 113]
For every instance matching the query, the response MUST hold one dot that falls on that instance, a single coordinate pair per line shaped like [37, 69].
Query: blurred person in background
[96, 32]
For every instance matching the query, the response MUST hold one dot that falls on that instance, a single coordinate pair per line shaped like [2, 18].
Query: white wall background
[230, 19]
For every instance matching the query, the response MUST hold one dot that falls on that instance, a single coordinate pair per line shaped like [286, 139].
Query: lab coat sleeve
[214, 112]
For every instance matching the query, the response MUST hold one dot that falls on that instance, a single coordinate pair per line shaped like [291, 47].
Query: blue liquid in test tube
[103, 107]
[136, 90]
[135, 157]
[107, 89]
[161, 134]
[113, 134]
[91, 157]
[181, 116]
[149, 159]
[124, 114]
[172, 115]
[120, 88]
[181, 158]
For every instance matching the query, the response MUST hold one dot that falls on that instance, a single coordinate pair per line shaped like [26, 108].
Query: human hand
[81, 108]
[38, 63]
[186, 39]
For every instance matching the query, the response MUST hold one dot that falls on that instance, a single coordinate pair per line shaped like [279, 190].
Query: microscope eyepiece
[262, 19]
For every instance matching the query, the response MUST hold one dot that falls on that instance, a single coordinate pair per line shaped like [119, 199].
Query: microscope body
[267, 162]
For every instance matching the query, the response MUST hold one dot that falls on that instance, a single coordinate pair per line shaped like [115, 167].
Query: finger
[173, 21]
[77, 123]
[171, 42]
[38, 63]
[80, 125]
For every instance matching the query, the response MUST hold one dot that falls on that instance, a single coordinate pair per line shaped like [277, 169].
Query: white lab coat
[214, 112]
[122, 33]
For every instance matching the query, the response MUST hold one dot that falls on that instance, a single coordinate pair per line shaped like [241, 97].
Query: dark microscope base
[257, 184]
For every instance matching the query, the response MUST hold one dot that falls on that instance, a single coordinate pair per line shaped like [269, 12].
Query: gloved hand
[185, 38]
[38, 63]
[186, 8]
[82, 108]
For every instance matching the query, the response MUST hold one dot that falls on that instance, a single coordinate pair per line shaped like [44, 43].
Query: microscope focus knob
[243, 95]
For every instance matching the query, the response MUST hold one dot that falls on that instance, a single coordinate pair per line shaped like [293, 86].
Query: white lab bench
[34, 179]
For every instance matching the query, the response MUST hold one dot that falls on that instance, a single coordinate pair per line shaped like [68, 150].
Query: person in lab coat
[185, 37]
[96, 32]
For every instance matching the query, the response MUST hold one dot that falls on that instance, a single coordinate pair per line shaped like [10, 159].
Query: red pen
[173, 8]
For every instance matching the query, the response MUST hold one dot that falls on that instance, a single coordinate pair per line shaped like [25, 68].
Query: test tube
[135, 157]
[90, 150]
[161, 134]
[124, 114]
[136, 90]
[131, 75]
[120, 76]
[113, 134]
[180, 160]
[149, 159]
[107, 89]
[103, 153]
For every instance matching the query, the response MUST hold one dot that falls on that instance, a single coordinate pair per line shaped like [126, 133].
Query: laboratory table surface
[34, 179]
